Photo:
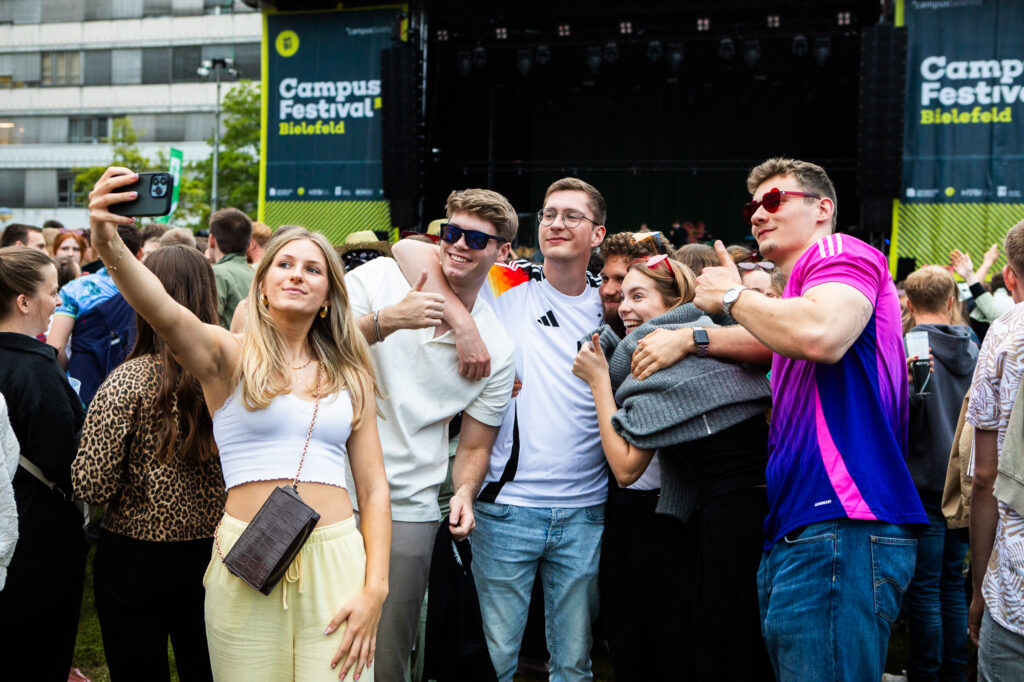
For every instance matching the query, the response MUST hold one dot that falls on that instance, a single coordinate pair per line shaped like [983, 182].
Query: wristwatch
[730, 298]
[700, 337]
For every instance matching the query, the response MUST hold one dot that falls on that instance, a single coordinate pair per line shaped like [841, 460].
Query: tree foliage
[239, 161]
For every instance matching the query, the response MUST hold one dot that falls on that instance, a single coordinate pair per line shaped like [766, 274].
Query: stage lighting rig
[625, 27]
[564, 31]
[772, 21]
[726, 49]
[594, 59]
[501, 33]
[751, 52]
[654, 51]
[479, 57]
[610, 53]
[442, 35]
[674, 56]
[800, 47]
[822, 50]
[464, 62]
[703, 24]
[542, 55]
[843, 18]
[524, 61]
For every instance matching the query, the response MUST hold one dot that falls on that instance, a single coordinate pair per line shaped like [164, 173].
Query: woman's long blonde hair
[335, 339]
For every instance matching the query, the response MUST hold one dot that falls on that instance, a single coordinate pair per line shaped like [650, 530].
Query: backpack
[101, 341]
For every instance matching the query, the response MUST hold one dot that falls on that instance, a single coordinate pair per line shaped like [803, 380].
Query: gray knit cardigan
[690, 400]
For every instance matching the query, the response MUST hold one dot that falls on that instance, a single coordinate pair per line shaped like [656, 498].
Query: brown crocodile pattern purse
[272, 540]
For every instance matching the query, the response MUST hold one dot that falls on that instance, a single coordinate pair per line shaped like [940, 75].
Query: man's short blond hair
[930, 288]
[811, 177]
[595, 202]
[261, 233]
[1015, 249]
[487, 205]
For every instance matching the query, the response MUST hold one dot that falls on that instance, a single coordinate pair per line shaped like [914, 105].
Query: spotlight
[610, 53]
[463, 62]
[822, 50]
[542, 55]
[442, 35]
[625, 27]
[564, 31]
[772, 21]
[594, 59]
[524, 61]
[751, 52]
[654, 51]
[843, 18]
[501, 33]
[799, 46]
[704, 24]
[675, 56]
[479, 57]
[726, 49]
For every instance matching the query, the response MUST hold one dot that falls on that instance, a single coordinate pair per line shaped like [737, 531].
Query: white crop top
[266, 445]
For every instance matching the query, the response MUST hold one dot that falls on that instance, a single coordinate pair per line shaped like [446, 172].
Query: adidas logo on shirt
[548, 319]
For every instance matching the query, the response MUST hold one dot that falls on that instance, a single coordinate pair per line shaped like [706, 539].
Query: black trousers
[646, 585]
[40, 647]
[146, 592]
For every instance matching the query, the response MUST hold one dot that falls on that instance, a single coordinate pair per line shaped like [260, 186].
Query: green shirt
[233, 276]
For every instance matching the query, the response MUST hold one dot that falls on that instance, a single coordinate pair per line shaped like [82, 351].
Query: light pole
[216, 65]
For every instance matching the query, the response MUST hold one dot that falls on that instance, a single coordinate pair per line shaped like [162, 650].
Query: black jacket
[47, 417]
[455, 650]
[933, 416]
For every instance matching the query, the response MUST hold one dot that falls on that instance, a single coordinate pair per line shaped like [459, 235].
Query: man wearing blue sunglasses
[415, 357]
[541, 509]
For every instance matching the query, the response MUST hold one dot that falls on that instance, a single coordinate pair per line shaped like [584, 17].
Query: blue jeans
[935, 602]
[1000, 652]
[509, 544]
[829, 593]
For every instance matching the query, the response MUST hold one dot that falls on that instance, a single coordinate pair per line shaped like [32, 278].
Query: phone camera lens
[158, 187]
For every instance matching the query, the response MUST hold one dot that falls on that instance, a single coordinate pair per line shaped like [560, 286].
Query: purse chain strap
[302, 460]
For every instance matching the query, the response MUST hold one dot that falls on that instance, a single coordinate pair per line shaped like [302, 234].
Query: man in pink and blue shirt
[840, 544]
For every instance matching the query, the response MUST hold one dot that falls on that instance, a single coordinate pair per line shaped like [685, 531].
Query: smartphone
[917, 345]
[155, 192]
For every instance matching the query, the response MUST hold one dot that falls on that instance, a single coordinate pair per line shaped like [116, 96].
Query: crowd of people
[718, 458]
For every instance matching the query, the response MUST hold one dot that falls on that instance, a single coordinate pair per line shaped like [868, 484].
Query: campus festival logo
[980, 91]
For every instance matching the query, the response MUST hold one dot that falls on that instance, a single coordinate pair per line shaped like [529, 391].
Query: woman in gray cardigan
[706, 420]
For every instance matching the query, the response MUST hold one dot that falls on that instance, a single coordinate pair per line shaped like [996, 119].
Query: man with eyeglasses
[416, 361]
[840, 548]
[542, 504]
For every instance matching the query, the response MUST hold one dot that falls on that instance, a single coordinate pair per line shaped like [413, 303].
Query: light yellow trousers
[280, 636]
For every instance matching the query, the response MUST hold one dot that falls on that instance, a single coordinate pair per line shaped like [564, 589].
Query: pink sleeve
[847, 262]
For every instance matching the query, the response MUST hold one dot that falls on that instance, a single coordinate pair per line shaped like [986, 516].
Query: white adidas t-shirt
[548, 452]
[419, 376]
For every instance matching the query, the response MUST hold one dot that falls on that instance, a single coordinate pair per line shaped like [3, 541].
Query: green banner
[174, 168]
[321, 129]
[963, 185]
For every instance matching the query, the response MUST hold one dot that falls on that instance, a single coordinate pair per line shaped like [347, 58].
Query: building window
[65, 189]
[88, 129]
[12, 188]
[156, 65]
[61, 68]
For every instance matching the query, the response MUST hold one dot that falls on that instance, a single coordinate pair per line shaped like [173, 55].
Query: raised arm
[627, 461]
[418, 309]
[819, 326]
[207, 351]
[664, 347]
[416, 257]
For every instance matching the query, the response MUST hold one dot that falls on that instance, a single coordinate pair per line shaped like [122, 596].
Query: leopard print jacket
[116, 464]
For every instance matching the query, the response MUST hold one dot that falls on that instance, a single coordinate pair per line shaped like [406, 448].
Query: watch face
[700, 336]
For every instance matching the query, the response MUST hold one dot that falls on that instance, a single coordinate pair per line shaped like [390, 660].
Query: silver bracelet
[113, 266]
[376, 326]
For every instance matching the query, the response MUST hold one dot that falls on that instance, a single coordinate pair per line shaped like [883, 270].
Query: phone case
[155, 192]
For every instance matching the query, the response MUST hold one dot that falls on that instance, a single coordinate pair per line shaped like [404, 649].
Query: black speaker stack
[402, 141]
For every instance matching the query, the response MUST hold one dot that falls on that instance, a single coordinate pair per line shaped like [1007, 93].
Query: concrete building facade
[69, 67]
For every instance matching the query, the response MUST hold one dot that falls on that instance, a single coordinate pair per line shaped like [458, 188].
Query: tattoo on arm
[866, 311]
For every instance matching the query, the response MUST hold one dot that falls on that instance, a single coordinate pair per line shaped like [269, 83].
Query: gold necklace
[301, 367]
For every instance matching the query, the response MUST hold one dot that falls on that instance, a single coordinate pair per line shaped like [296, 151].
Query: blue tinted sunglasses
[451, 233]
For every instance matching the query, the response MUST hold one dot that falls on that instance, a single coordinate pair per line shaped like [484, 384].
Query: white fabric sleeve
[9, 453]
[489, 407]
